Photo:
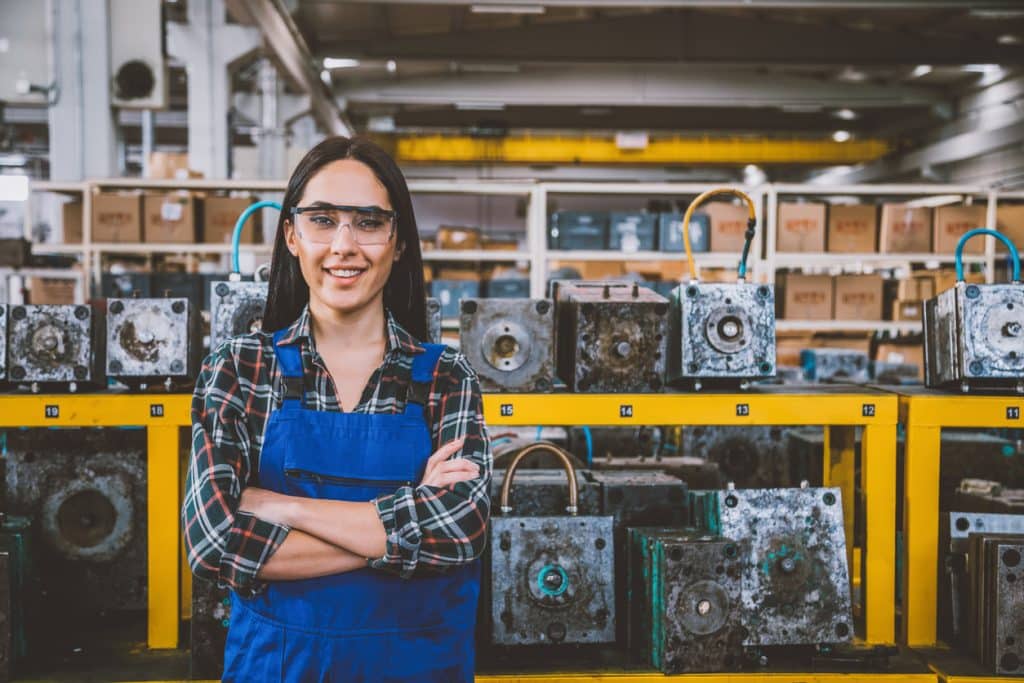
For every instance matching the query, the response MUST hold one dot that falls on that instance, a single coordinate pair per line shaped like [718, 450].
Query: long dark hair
[404, 293]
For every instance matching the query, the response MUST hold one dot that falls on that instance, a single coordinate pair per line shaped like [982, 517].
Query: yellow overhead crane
[602, 149]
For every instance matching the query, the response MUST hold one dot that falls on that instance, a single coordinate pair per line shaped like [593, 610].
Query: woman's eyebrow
[326, 205]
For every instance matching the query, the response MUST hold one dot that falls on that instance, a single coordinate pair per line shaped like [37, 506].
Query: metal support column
[164, 576]
[839, 470]
[878, 480]
[208, 46]
[272, 139]
[83, 135]
[921, 551]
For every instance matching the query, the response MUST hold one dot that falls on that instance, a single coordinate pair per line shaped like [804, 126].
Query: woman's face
[343, 276]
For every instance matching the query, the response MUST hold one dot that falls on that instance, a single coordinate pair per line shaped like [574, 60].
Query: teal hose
[236, 236]
[986, 231]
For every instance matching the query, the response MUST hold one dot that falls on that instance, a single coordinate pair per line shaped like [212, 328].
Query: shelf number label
[867, 410]
[1013, 412]
[52, 412]
[156, 409]
[506, 410]
[626, 410]
[742, 409]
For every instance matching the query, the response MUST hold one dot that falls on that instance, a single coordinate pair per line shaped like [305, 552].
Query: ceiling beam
[674, 36]
[637, 86]
[293, 57]
[980, 5]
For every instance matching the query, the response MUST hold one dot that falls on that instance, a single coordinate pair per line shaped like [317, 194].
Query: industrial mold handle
[999, 236]
[749, 235]
[540, 446]
[236, 235]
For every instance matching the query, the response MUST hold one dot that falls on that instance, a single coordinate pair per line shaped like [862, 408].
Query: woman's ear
[290, 238]
[399, 250]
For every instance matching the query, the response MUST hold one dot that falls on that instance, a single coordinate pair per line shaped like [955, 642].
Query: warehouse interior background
[544, 141]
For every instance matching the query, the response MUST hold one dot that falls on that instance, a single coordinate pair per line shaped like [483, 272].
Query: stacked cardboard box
[801, 227]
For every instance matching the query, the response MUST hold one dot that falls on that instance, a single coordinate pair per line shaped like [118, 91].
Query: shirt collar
[397, 336]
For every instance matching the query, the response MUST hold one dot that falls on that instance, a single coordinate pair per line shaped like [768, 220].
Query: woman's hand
[442, 472]
[267, 505]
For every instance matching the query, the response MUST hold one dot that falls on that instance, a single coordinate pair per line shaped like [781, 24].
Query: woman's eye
[322, 220]
[370, 224]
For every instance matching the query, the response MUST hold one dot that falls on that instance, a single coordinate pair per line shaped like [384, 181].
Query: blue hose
[985, 231]
[590, 446]
[236, 236]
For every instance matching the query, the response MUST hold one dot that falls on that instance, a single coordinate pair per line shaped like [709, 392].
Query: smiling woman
[340, 467]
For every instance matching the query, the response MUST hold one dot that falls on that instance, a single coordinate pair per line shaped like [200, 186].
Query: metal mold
[540, 492]
[433, 321]
[55, 344]
[611, 337]
[237, 309]
[509, 342]
[152, 339]
[722, 331]
[796, 587]
[974, 337]
[750, 457]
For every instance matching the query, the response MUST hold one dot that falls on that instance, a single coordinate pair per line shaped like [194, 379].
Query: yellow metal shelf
[952, 666]
[924, 413]
[162, 415]
[712, 678]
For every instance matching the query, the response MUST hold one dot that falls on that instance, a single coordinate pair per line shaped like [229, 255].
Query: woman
[340, 467]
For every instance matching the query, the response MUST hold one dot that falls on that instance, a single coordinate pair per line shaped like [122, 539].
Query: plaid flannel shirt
[428, 529]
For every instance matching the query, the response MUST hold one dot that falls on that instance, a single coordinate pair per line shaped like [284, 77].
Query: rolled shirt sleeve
[432, 529]
[222, 544]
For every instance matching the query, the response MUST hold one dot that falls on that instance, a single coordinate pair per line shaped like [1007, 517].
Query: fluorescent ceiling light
[921, 70]
[13, 160]
[981, 68]
[391, 66]
[478, 68]
[937, 200]
[845, 114]
[479, 106]
[325, 76]
[13, 188]
[852, 75]
[340, 63]
[1008, 39]
[507, 9]
[841, 135]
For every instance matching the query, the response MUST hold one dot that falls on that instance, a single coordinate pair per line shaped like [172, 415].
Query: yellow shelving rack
[924, 413]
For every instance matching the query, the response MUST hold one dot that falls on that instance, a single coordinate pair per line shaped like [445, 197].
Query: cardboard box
[951, 222]
[169, 218]
[788, 346]
[807, 297]
[1010, 222]
[945, 278]
[858, 297]
[916, 288]
[71, 222]
[648, 269]
[852, 229]
[905, 230]
[599, 270]
[888, 352]
[220, 215]
[728, 225]
[170, 166]
[801, 227]
[907, 310]
[456, 237]
[457, 273]
[500, 244]
[674, 271]
[856, 342]
[45, 290]
[117, 217]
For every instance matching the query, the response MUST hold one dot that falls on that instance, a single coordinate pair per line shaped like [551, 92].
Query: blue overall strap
[423, 365]
[290, 360]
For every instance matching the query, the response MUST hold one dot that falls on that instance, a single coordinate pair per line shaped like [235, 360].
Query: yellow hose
[701, 198]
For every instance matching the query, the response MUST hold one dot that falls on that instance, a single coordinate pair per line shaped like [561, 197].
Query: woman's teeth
[345, 272]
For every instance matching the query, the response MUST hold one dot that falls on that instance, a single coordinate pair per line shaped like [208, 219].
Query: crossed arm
[333, 536]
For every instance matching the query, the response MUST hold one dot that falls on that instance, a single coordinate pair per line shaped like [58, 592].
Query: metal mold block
[835, 365]
[543, 492]
[552, 580]
[152, 338]
[211, 616]
[509, 342]
[750, 457]
[1007, 643]
[433, 321]
[237, 309]
[796, 587]
[55, 344]
[974, 336]
[3, 341]
[722, 331]
[611, 337]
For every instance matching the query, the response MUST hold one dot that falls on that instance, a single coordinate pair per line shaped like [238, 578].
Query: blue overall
[364, 625]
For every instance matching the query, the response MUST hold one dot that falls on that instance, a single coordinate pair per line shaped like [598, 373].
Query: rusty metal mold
[151, 339]
[974, 337]
[611, 337]
[237, 309]
[722, 331]
[433, 321]
[509, 342]
[750, 457]
[796, 587]
[55, 344]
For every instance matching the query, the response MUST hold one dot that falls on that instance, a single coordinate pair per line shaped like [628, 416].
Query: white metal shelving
[783, 325]
[763, 261]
